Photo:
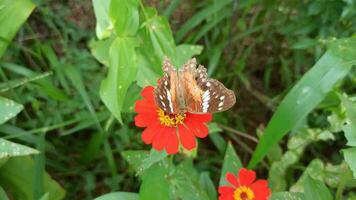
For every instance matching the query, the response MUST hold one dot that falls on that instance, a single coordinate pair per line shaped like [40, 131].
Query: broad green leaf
[208, 185]
[45, 197]
[12, 15]
[316, 190]
[154, 183]
[142, 160]
[231, 164]
[286, 196]
[350, 128]
[17, 177]
[118, 196]
[100, 50]
[11, 149]
[125, 16]
[350, 158]
[307, 94]
[3, 195]
[315, 170]
[186, 52]
[103, 24]
[8, 109]
[185, 183]
[122, 72]
[158, 32]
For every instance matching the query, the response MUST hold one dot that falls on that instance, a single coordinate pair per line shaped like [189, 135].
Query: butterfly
[190, 90]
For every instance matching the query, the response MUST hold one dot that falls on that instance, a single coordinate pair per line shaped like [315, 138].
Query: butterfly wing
[165, 92]
[203, 94]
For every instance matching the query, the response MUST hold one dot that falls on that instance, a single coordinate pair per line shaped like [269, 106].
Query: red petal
[261, 190]
[226, 197]
[150, 132]
[186, 138]
[198, 128]
[246, 177]
[200, 117]
[172, 145]
[161, 139]
[147, 93]
[143, 106]
[226, 189]
[232, 179]
[144, 120]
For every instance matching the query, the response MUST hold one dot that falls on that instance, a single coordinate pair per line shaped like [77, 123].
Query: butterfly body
[190, 90]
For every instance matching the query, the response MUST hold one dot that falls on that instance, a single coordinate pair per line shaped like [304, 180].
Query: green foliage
[17, 177]
[9, 109]
[118, 196]
[12, 16]
[231, 164]
[315, 189]
[70, 84]
[307, 94]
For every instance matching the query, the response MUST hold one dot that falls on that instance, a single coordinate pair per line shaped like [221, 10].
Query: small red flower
[244, 187]
[167, 131]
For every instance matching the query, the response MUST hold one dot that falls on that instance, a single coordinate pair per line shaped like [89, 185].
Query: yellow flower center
[243, 193]
[170, 120]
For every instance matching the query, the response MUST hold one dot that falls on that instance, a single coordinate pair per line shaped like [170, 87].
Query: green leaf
[154, 184]
[158, 32]
[231, 164]
[3, 195]
[186, 52]
[208, 185]
[350, 158]
[103, 24]
[8, 109]
[307, 94]
[185, 183]
[125, 16]
[100, 50]
[17, 178]
[286, 196]
[142, 160]
[122, 72]
[12, 15]
[11, 149]
[350, 128]
[316, 190]
[118, 196]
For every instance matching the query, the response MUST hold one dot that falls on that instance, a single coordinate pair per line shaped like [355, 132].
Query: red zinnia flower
[244, 187]
[167, 131]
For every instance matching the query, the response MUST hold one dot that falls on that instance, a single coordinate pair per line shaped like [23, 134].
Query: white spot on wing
[160, 96]
[170, 100]
[208, 84]
[222, 98]
[221, 104]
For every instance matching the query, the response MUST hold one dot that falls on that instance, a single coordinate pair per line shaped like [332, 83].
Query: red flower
[166, 131]
[244, 187]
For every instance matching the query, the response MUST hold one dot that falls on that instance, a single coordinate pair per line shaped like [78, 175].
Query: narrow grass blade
[307, 94]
